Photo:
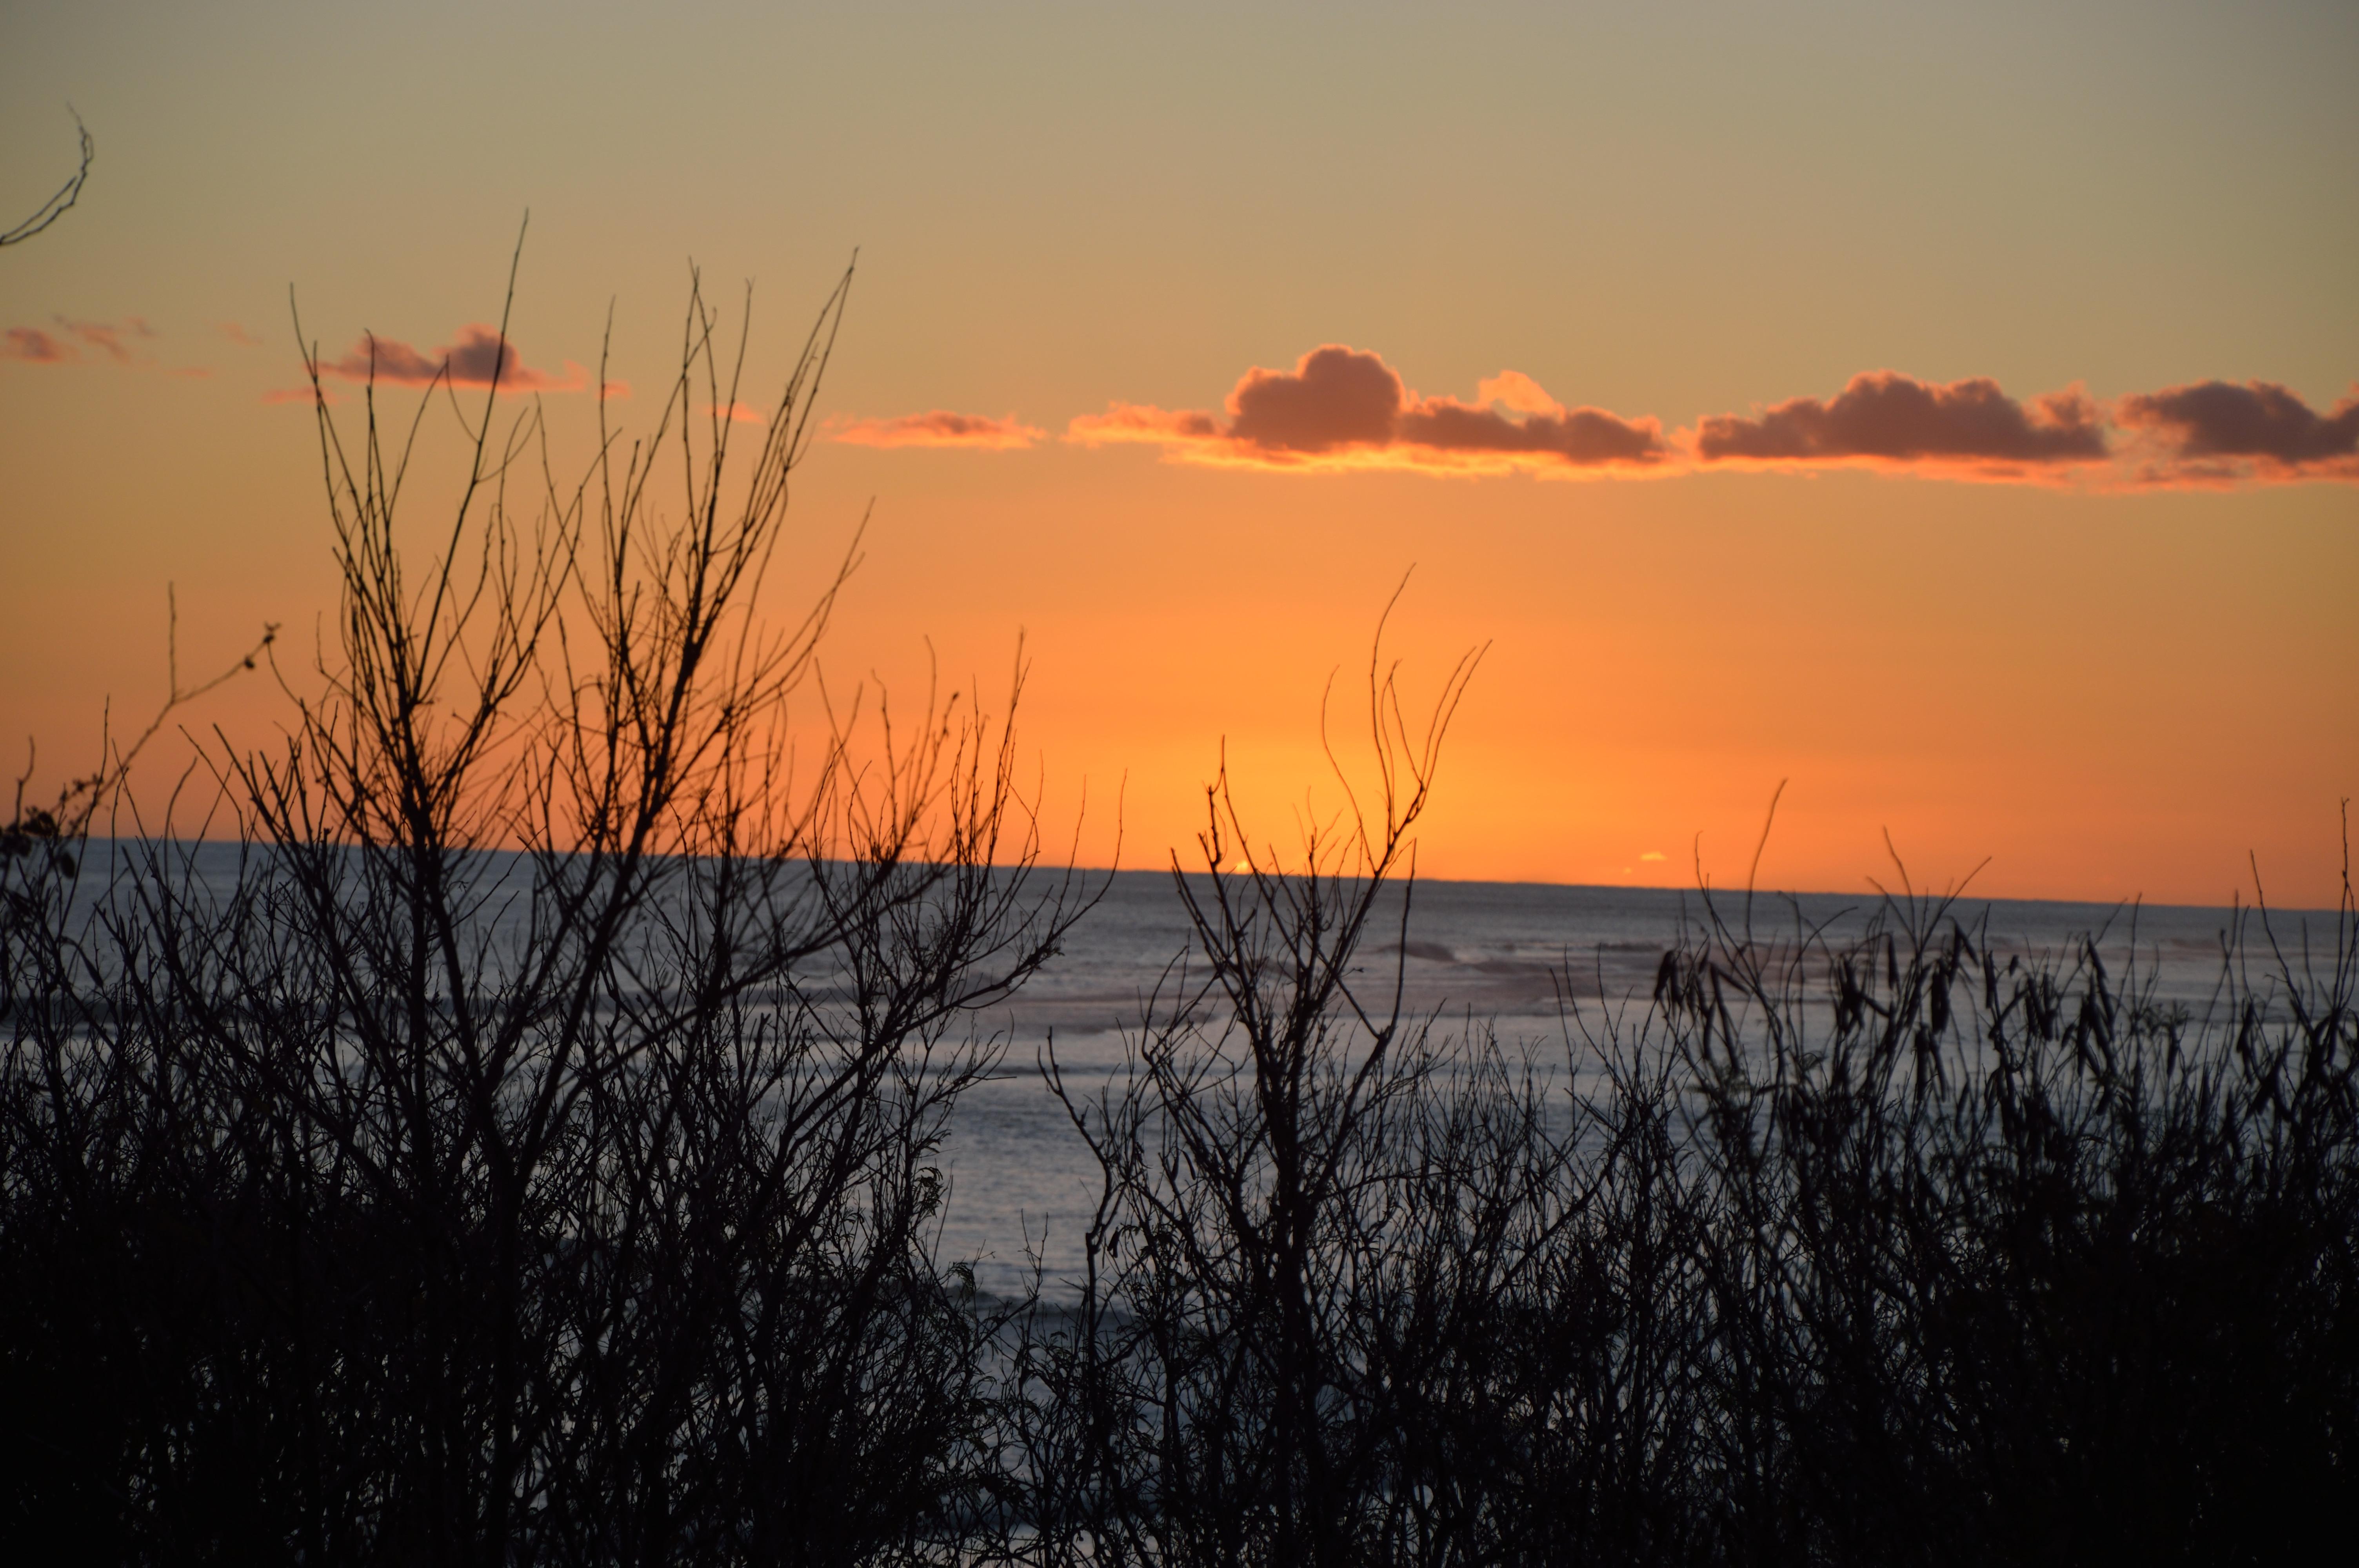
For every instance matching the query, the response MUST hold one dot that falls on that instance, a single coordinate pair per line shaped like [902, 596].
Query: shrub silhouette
[514, 1143]
[1901, 1249]
[516, 1146]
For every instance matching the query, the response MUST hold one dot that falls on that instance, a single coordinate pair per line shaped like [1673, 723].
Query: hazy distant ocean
[1497, 950]
[1492, 950]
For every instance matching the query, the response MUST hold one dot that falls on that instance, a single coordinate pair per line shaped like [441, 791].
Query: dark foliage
[514, 1144]
[515, 1147]
[1897, 1250]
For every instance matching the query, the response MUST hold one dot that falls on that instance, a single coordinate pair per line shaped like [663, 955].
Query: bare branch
[67, 194]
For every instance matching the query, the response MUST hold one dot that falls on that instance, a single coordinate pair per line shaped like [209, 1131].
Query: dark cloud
[1343, 409]
[936, 428]
[1340, 408]
[1579, 436]
[107, 336]
[116, 339]
[34, 346]
[471, 361]
[1333, 398]
[1883, 416]
[2211, 428]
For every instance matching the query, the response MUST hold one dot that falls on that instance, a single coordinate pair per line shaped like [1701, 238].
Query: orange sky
[1943, 414]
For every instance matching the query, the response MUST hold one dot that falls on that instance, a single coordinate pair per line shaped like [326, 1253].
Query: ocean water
[1523, 958]
[1521, 955]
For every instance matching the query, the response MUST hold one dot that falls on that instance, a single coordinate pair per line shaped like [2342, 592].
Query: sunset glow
[1963, 409]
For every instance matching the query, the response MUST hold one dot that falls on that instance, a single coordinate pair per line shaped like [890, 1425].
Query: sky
[1945, 412]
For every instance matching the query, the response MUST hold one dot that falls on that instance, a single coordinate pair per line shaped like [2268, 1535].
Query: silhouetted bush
[516, 1146]
[515, 1142]
[1898, 1249]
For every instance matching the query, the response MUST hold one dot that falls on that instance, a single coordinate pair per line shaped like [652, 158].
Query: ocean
[1531, 961]
[1523, 957]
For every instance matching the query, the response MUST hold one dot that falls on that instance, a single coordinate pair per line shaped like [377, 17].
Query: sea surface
[1533, 960]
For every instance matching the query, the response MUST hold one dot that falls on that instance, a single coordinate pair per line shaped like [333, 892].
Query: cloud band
[936, 428]
[1343, 408]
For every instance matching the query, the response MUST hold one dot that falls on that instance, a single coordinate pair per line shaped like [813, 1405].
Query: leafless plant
[1897, 1249]
[518, 1147]
[50, 211]
[1225, 1387]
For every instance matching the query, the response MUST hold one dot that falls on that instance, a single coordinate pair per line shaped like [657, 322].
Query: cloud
[34, 346]
[116, 339]
[118, 343]
[1335, 396]
[936, 428]
[735, 413]
[1882, 418]
[2216, 432]
[1143, 423]
[1343, 409]
[1584, 437]
[1514, 389]
[471, 361]
[237, 333]
[107, 336]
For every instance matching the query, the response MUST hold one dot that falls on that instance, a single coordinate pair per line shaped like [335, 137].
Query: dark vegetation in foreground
[528, 1156]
